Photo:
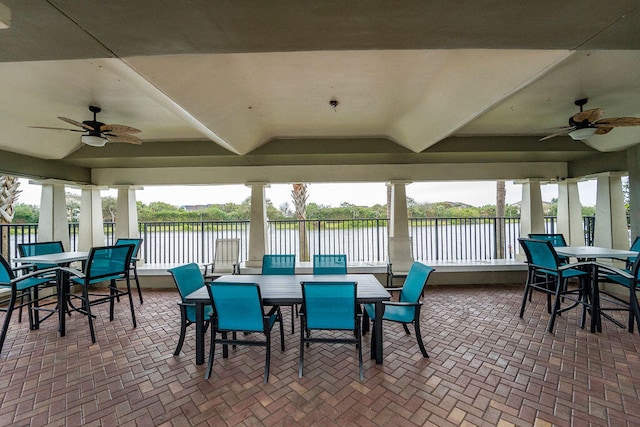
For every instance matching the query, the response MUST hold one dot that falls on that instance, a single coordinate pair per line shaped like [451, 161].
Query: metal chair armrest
[402, 304]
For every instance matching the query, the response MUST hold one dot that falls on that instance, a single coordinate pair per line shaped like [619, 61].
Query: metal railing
[362, 240]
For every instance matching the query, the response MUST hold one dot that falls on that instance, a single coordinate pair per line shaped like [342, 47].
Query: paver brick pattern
[487, 367]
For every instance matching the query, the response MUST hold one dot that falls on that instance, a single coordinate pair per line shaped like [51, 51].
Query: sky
[476, 193]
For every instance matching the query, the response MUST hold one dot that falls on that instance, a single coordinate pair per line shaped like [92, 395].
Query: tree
[501, 194]
[8, 195]
[299, 196]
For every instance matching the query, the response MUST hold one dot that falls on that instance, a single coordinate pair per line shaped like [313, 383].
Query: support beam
[53, 223]
[400, 255]
[570, 222]
[127, 212]
[611, 221]
[258, 224]
[91, 228]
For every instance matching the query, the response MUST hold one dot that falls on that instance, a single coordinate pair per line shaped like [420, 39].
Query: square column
[53, 223]
[399, 242]
[91, 229]
[570, 222]
[127, 212]
[611, 220]
[258, 224]
[531, 209]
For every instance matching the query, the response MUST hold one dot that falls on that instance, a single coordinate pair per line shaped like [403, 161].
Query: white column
[91, 227]
[611, 222]
[633, 165]
[399, 242]
[127, 212]
[570, 222]
[258, 224]
[531, 210]
[53, 223]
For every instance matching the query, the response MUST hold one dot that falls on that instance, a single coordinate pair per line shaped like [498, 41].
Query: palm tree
[8, 196]
[501, 193]
[299, 196]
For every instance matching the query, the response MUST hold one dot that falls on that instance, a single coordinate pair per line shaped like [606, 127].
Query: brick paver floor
[487, 367]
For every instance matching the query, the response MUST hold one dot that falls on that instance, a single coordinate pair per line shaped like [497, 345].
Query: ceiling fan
[586, 123]
[98, 133]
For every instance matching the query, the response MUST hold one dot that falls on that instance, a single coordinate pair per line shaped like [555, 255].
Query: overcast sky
[476, 193]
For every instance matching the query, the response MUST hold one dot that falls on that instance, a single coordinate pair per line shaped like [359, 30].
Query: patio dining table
[587, 253]
[286, 290]
[61, 259]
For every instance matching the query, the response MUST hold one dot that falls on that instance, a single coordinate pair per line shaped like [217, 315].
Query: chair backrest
[278, 264]
[227, 255]
[330, 264]
[188, 278]
[130, 241]
[540, 253]
[329, 305]
[415, 282]
[40, 248]
[108, 262]
[635, 246]
[6, 274]
[237, 306]
[555, 239]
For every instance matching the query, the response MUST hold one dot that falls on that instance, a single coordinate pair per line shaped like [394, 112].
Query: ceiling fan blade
[76, 123]
[603, 129]
[129, 139]
[561, 131]
[47, 127]
[619, 122]
[119, 129]
[589, 115]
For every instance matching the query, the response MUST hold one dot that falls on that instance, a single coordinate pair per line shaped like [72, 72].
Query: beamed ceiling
[236, 91]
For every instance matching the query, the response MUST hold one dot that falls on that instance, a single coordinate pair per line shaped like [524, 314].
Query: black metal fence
[364, 240]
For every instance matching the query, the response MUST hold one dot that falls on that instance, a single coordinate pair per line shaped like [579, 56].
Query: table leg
[377, 329]
[199, 333]
[60, 294]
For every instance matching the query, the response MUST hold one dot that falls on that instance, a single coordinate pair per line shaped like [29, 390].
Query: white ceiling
[240, 75]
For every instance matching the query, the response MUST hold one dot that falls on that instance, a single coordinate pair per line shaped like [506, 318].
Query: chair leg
[267, 361]
[634, 315]
[7, 318]
[301, 361]
[556, 306]
[87, 307]
[281, 329]
[135, 276]
[359, 345]
[406, 329]
[212, 349]
[183, 330]
[133, 313]
[416, 324]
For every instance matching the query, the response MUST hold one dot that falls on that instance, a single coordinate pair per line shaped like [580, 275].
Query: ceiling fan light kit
[582, 134]
[94, 141]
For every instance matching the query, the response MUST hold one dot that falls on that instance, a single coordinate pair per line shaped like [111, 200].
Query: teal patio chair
[330, 306]
[188, 279]
[611, 300]
[330, 264]
[407, 309]
[20, 288]
[237, 307]
[134, 259]
[635, 246]
[39, 248]
[282, 264]
[104, 264]
[556, 239]
[548, 274]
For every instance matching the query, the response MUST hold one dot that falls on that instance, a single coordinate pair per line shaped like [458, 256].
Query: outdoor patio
[487, 367]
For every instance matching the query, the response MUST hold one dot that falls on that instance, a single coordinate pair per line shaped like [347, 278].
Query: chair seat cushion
[621, 280]
[392, 313]
[31, 282]
[568, 273]
[191, 312]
